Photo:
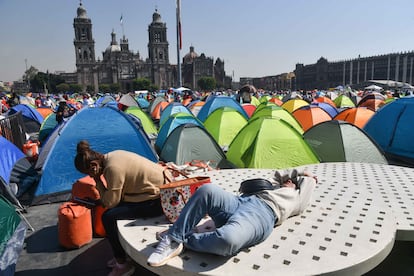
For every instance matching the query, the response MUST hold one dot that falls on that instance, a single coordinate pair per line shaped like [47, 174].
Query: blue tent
[172, 122]
[332, 111]
[392, 128]
[216, 102]
[171, 109]
[105, 128]
[31, 117]
[9, 155]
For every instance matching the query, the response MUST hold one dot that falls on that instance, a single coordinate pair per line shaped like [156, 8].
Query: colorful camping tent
[172, 108]
[172, 122]
[190, 142]
[373, 101]
[147, 123]
[392, 128]
[105, 128]
[224, 124]
[270, 143]
[293, 104]
[340, 141]
[48, 125]
[309, 115]
[358, 116]
[216, 102]
[279, 112]
[12, 234]
[9, 155]
[332, 110]
[343, 101]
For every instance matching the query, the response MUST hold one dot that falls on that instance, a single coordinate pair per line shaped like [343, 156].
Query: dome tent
[224, 124]
[391, 127]
[105, 128]
[270, 143]
[340, 141]
[190, 142]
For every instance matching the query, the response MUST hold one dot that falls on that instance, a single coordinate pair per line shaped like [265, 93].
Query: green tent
[279, 112]
[190, 142]
[343, 101]
[12, 234]
[147, 123]
[224, 124]
[340, 141]
[270, 143]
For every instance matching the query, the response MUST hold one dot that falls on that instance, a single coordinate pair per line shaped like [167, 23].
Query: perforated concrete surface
[349, 227]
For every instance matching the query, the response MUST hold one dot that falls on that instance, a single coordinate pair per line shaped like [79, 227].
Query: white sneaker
[166, 249]
[161, 234]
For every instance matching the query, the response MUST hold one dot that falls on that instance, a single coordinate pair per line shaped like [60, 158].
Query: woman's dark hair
[85, 155]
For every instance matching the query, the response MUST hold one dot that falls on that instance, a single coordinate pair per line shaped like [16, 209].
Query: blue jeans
[241, 221]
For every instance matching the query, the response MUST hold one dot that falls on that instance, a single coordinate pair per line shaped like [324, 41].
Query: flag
[120, 19]
[179, 33]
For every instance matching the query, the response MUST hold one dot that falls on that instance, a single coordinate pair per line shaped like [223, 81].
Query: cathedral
[120, 65]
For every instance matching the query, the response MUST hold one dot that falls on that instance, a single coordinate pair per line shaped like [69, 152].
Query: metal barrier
[12, 128]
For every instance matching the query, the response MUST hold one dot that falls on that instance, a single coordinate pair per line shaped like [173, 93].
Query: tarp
[105, 128]
[392, 128]
[216, 102]
[190, 142]
[340, 141]
[224, 124]
[270, 143]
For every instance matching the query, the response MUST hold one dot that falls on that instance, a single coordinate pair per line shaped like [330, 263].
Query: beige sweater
[129, 178]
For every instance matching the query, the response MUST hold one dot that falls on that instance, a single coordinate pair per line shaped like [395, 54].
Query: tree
[62, 87]
[75, 88]
[142, 84]
[105, 88]
[206, 83]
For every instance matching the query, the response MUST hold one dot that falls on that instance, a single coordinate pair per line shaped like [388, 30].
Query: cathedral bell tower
[158, 51]
[84, 49]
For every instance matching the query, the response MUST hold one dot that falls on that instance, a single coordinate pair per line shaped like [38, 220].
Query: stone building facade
[120, 65]
[355, 72]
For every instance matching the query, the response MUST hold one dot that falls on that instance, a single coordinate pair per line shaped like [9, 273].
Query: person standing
[132, 191]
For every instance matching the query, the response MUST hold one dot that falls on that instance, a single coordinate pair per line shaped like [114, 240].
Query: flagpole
[179, 43]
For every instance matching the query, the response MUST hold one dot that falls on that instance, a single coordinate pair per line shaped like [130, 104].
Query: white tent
[373, 87]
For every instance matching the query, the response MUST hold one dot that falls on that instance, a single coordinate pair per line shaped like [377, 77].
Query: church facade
[119, 65]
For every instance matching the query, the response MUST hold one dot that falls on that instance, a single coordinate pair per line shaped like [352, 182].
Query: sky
[254, 38]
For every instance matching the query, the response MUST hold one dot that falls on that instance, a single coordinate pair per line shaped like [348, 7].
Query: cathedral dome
[188, 58]
[156, 17]
[113, 47]
[81, 12]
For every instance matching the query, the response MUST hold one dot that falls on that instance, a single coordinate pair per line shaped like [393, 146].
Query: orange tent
[44, 111]
[325, 100]
[308, 116]
[249, 108]
[195, 107]
[357, 116]
[156, 113]
[372, 101]
[276, 101]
